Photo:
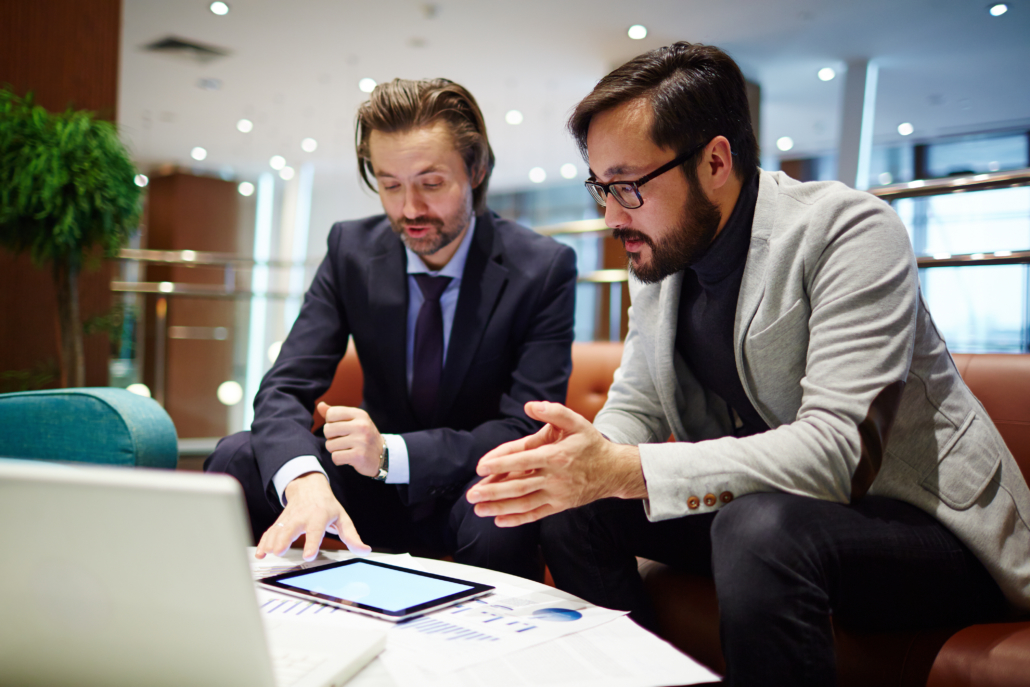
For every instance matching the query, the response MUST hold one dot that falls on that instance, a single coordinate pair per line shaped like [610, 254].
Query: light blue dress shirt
[399, 472]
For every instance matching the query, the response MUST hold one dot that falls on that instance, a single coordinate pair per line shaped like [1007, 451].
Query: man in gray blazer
[828, 458]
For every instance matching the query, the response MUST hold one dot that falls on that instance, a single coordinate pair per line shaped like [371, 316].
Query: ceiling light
[198, 153]
[219, 8]
[277, 162]
[826, 74]
[308, 145]
[784, 143]
[141, 180]
[230, 393]
[636, 32]
[286, 173]
[906, 128]
[513, 117]
[998, 10]
[367, 85]
[245, 188]
[569, 170]
[245, 126]
[537, 175]
[886, 178]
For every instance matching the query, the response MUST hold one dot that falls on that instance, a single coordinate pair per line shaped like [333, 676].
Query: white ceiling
[947, 66]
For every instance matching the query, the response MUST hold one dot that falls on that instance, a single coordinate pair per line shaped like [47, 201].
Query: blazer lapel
[481, 286]
[752, 284]
[388, 299]
[667, 385]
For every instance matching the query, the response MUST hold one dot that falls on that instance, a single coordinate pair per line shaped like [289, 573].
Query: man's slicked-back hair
[402, 105]
[696, 93]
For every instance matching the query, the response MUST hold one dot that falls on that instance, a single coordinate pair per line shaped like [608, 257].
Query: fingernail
[473, 496]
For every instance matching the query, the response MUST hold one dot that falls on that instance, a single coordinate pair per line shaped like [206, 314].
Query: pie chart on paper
[556, 615]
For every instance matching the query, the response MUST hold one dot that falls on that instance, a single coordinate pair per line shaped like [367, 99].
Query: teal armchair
[89, 425]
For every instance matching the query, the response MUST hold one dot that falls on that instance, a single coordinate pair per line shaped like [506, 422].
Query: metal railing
[961, 184]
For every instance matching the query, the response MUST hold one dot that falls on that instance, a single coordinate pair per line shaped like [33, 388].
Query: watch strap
[384, 464]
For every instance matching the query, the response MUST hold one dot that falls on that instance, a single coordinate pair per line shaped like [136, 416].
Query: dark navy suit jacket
[510, 343]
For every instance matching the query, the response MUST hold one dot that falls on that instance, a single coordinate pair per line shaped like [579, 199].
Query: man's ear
[718, 162]
[477, 176]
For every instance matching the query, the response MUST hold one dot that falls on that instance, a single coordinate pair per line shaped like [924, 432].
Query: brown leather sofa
[992, 655]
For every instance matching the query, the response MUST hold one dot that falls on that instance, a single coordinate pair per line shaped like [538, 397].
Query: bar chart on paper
[498, 624]
[489, 627]
[286, 606]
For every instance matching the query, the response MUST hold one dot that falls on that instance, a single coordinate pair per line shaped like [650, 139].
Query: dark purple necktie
[427, 361]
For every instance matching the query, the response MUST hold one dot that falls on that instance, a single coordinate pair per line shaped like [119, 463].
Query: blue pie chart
[557, 615]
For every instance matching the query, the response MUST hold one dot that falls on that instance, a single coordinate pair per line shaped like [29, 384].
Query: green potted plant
[67, 185]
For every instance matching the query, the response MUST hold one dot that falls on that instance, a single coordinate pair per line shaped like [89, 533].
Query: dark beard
[443, 236]
[682, 247]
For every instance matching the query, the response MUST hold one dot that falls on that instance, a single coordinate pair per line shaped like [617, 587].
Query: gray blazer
[838, 353]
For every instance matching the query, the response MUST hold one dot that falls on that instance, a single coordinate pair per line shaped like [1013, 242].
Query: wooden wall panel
[187, 212]
[66, 51]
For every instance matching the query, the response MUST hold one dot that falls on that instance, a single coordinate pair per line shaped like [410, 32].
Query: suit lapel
[481, 285]
[388, 300]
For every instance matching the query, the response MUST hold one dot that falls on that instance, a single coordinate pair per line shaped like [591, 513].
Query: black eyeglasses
[628, 192]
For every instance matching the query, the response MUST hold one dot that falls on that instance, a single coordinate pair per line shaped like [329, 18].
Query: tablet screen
[372, 585]
[377, 586]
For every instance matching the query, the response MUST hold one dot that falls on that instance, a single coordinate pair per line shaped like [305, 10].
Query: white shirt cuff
[294, 468]
[398, 472]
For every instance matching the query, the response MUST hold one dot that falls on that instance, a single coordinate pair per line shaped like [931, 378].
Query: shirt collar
[729, 249]
[454, 268]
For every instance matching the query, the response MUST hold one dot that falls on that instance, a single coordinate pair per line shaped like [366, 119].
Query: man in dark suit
[458, 316]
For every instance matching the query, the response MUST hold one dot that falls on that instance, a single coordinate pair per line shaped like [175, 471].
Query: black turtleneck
[708, 304]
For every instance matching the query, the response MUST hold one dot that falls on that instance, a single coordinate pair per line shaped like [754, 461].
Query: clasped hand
[352, 438]
[566, 464]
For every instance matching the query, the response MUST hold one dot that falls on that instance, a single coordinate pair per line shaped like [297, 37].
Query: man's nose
[414, 206]
[615, 216]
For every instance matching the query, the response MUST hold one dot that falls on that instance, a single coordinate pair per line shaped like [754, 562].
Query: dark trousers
[383, 520]
[782, 564]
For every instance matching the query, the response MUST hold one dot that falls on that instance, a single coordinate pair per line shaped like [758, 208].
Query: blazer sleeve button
[726, 497]
[710, 500]
[693, 502]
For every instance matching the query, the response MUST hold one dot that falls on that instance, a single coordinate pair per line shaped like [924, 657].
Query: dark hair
[402, 105]
[696, 93]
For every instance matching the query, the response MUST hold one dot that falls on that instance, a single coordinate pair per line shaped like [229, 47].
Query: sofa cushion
[92, 425]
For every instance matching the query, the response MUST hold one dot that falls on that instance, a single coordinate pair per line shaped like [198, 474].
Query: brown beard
[684, 246]
[445, 234]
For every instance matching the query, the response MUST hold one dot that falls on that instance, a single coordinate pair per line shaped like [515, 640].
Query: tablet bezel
[276, 583]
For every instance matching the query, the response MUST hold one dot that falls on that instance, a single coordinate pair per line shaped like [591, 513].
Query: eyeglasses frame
[605, 189]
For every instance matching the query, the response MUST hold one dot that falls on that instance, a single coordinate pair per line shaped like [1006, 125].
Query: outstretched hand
[311, 510]
[566, 464]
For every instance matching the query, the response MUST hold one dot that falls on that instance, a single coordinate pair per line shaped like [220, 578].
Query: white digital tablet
[376, 589]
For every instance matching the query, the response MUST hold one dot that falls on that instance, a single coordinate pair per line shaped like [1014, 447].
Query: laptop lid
[122, 576]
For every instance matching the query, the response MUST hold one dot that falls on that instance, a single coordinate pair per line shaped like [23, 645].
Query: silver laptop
[120, 576]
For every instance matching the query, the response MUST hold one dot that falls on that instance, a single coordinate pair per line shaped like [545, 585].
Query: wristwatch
[384, 463]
